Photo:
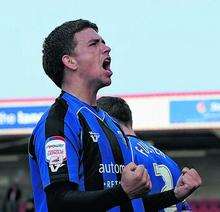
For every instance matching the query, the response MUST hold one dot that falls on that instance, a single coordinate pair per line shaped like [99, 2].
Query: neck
[127, 130]
[82, 92]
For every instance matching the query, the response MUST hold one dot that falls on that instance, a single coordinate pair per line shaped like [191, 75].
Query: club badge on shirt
[55, 150]
[95, 136]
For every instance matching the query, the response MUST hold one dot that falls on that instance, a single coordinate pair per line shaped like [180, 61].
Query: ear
[69, 62]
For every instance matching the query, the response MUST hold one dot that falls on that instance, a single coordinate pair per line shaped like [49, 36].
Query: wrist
[178, 194]
[123, 187]
[120, 192]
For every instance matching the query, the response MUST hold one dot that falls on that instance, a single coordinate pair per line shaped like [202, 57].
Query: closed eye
[93, 44]
[96, 41]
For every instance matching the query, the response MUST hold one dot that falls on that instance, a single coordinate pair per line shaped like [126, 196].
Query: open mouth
[106, 63]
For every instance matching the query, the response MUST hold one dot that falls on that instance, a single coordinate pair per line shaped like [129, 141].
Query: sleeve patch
[55, 150]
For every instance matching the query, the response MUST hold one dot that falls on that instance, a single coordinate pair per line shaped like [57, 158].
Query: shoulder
[59, 109]
[57, 120]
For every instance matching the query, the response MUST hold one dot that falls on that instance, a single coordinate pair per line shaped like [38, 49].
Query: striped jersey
[78, 143]
[163, 171]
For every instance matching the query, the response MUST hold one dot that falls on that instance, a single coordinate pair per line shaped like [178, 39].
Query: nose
[106, 49]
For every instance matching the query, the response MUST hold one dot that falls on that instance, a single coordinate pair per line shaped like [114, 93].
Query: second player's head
[117, 108]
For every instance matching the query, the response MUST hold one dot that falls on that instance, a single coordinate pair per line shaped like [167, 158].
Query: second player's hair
[117, 108]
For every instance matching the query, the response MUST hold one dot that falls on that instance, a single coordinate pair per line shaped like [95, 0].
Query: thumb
[180, 181]
[185, 169]
[132, 166]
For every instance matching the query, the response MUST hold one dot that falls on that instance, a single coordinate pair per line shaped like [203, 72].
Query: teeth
[108, 60]
[106, 63]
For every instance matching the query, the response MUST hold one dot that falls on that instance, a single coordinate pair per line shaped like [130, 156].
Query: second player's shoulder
[146, 148]
[136, 141]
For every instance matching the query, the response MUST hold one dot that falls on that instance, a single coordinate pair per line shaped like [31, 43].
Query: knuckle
[139, 177]
[149, 186]
[193, 170]
[148, 176]
[143, 181]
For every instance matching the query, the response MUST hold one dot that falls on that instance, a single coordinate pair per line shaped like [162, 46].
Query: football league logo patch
[55, 150]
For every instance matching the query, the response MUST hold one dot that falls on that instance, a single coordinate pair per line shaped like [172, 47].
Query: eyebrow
[96, 40]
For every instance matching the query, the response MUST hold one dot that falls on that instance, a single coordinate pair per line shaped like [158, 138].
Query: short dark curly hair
[60, 42]
[117, 108]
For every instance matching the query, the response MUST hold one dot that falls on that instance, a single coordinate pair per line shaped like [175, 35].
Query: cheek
[92, 63]
[89, 59]
[84, 62]
[89, 62]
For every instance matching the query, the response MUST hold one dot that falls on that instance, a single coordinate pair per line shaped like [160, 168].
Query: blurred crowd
[13, 201]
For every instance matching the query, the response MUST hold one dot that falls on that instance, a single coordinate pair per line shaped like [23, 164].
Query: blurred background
[165, 60]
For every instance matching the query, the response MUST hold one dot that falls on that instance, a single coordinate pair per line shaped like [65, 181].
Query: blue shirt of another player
[163, 171]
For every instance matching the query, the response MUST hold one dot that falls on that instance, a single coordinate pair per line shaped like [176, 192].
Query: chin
[106, 83]
[109, 82]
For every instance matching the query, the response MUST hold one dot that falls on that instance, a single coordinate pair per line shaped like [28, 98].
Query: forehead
[86, 35]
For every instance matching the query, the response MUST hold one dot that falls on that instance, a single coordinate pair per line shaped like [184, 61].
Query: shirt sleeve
[57, 149]
[160, 200]
[65, 197]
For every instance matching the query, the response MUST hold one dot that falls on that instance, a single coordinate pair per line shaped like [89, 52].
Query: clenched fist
[135, 180]
[187, 183]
